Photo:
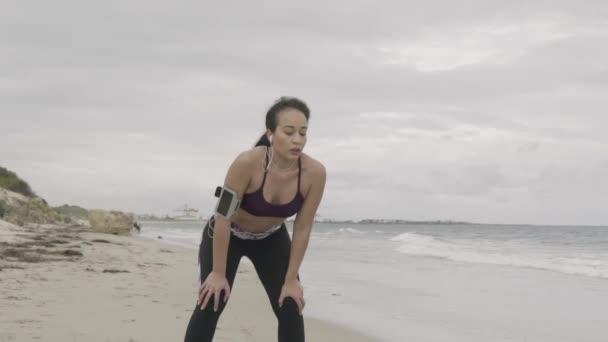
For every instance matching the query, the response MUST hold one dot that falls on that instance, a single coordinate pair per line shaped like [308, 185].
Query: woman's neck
[280, 163]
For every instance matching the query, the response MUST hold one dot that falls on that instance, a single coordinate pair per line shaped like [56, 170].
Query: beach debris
[8, 267]
[107, 241]
[112, 270]
[36, 250]
[71, 252]
[17, 298]
[157, 264]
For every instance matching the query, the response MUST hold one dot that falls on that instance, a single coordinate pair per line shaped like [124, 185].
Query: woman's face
[289, 138]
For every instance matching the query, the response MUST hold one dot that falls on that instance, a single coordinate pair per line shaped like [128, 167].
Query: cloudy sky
[483, 111]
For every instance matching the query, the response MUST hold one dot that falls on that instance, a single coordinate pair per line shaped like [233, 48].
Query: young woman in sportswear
[275, 180]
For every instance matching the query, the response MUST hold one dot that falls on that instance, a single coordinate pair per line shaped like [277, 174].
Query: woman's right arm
[237, 179]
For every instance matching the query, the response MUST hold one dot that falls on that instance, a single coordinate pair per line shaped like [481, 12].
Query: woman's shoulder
[313, 166]
[249, 157]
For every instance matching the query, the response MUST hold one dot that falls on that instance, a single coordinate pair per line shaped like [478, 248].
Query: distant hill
[10, 181]
[19, 205]
[73, 211]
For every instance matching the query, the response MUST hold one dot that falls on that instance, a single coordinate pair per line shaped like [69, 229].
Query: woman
[274, 181]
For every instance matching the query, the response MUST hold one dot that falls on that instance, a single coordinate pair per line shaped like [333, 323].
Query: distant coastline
[390, 221]
[143, 218]
[325, 220]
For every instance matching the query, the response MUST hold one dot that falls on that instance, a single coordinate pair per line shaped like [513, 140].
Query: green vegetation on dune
[32, 209]
[73, 210]
[10, 181]
[2, 208]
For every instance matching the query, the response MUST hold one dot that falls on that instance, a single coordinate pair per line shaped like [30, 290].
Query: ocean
[450, 282]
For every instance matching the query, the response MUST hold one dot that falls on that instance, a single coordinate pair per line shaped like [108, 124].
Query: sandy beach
[68, 284]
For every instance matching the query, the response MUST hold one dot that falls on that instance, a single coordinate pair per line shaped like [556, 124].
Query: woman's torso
[280, 188]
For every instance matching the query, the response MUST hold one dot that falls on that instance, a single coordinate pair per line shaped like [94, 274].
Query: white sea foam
[486, 252]
[350, 230]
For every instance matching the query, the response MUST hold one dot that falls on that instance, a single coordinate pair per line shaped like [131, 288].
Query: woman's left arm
[302, 225]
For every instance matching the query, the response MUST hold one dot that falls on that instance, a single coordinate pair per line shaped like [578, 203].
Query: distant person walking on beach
[274, 180]
[137, 227]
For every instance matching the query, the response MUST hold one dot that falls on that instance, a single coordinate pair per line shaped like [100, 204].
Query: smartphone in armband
[228, 202]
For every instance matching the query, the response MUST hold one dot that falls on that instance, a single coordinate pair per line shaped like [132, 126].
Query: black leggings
[270, 257]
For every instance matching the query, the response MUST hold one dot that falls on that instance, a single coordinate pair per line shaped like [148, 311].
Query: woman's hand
[213, 286]
[293, 289]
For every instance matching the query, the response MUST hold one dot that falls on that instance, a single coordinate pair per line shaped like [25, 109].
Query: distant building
[185, 213]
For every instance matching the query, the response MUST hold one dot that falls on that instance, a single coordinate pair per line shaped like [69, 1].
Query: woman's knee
[289, 309]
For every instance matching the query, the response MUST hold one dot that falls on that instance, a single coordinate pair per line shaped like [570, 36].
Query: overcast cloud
[483, 111]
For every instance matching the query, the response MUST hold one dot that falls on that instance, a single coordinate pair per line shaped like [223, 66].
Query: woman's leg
[270, 257]
[203, 322]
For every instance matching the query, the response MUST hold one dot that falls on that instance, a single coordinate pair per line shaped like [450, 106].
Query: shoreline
[125, 288]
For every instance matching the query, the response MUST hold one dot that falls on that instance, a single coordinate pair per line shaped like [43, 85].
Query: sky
[479, 111]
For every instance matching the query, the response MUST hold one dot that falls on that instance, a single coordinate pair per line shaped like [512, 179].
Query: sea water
[450, 282]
